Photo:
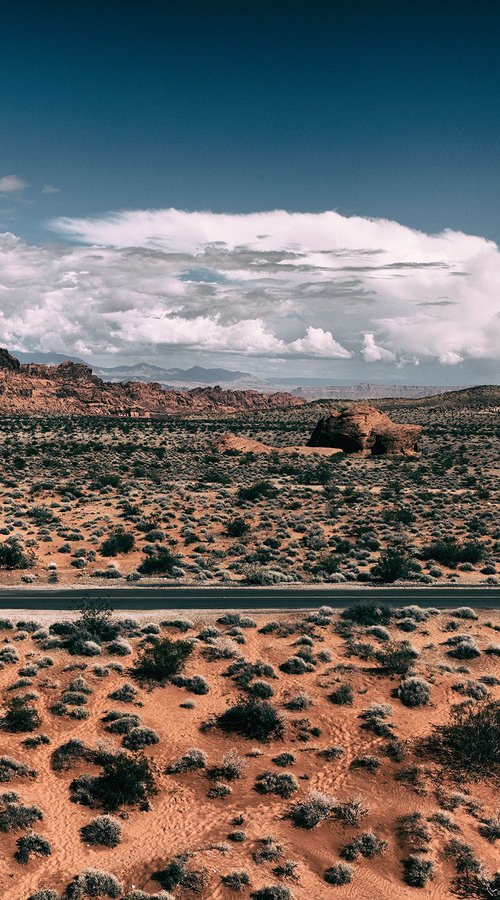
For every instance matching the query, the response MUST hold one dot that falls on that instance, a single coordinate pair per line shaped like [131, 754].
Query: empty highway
[276, 598]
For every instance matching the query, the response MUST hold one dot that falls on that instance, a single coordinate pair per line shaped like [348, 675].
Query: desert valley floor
[312, 779]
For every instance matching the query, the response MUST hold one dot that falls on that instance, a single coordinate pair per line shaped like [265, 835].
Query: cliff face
[72, 389]
[364, 429]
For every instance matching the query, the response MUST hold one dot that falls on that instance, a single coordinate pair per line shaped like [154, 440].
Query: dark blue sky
[370, 108]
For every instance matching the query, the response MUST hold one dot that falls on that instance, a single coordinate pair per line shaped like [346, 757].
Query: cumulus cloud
[277, 284]
[11, 183]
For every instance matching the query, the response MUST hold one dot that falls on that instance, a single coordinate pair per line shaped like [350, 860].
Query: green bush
[470, 742]
[105, 831]
[31, 844]
[125, 780]
[161, 562]
[119, 541]
[162, 661]
[21, 716]
[93, 883]
[254, 719]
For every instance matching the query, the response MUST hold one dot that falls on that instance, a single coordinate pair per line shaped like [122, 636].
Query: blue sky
[377, 110]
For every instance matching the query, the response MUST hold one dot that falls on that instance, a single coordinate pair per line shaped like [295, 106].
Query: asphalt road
[249, 598]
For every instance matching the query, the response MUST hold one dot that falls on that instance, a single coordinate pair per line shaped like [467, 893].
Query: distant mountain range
[197, 376]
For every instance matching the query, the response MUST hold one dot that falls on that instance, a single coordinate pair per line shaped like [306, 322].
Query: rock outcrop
[363, 429]
[235, 443]
[71, 389]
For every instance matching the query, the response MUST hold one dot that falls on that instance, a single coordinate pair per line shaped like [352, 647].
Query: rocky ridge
[72, 389]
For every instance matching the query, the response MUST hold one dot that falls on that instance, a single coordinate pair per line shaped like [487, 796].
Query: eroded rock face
[8, 362]
[363, 429]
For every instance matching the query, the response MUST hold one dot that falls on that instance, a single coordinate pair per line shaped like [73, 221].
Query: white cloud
[371, 352]
[50, 189]
[11, 183]
[276, 284]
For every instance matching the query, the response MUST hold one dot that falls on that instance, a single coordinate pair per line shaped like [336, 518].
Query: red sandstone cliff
[72, 389]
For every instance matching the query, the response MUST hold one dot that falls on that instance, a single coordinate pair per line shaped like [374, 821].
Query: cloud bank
[275, 284]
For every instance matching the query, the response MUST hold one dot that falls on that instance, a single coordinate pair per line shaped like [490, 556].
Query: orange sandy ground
[183, 819]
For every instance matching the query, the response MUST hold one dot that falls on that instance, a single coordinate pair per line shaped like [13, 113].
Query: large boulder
[363, 429]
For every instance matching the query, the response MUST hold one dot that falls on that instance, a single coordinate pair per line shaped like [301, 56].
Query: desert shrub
[490, 829]
[339, 874]
[218, 791]
[342, 696]
[349, 813]
[450, 553]
[272, 892]
[470, 688]
[295, 665]
[93, 883]
[237, 837]
[44, 894]
[121, 722]
[283, 784]
[367, 845]
[312, 810]
[32, 742]
[124, 694]
[31, 844]
[196, 684]
[464, 647]
[20, 716]
[192, 759]
[470, 741]
[163, 660]
[177, 874]
[414, 692]
[237, 527]
[283, 760]
[463, 856]
[396, 659]
[9, 654]
[370, 763]
[254, 719]
[119, 541]
[268, 851]
[367, 612]
[160, 562]
[125, 780]
[231, 768]
[393, 565]
[140, 737]
[261, 689]
[300, 701]
[11, 768]
[260, 490]
[331, 753]
[412, 832]
[64, 757]
[12, 556]
[119, 647]
[221, 648]
[418, 870]
[481, 885]
[15, 816]
[103, 830]
[237, 880]
[464, 612]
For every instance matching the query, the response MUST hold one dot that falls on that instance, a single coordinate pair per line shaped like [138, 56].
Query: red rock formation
[363, 429]
[71, 389]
